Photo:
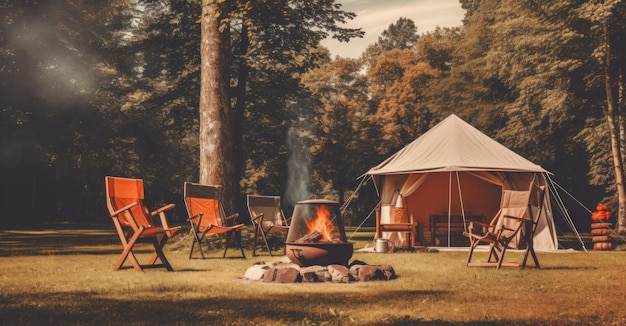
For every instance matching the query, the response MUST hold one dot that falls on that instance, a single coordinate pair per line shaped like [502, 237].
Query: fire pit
[316, 235]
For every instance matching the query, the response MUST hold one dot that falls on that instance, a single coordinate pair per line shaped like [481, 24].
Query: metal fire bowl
[323, 254]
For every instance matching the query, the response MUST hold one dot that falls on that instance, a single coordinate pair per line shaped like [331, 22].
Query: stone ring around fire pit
[316, 235]
[281, 272]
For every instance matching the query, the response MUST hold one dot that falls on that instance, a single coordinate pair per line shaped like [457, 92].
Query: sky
[374, 16]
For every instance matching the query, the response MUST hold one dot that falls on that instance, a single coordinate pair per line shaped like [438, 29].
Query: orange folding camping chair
[207, 216]
[134, 224]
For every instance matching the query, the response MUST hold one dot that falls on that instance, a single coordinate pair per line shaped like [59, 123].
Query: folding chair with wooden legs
[515, 222]
[267, 218]
[134, 224]
[207, 217]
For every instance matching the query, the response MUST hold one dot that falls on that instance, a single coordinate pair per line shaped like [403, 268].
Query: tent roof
[454, 145]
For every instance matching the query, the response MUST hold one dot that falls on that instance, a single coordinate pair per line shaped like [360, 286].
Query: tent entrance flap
[449, 195]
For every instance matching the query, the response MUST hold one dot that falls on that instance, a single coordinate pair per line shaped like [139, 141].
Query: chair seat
[216, 229]
[154, 230]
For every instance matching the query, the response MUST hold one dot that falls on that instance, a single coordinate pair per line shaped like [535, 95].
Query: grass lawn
[63, 275]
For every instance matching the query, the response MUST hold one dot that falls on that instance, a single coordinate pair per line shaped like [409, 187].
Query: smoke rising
[299, 167]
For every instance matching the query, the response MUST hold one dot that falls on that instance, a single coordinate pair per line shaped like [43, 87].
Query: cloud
[374, 16]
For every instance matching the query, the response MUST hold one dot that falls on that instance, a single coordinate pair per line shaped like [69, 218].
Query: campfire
[316, 235]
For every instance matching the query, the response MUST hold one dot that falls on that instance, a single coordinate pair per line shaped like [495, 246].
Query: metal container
[382, 245]
[322, 216]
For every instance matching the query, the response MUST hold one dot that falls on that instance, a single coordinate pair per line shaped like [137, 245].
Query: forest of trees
[95, 88]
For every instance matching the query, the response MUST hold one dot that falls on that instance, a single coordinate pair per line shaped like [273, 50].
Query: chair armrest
[513, 217]
[161, 212]
[230, 219]
[258, 217]
[194, 217]
[478, 223]
[163, 209]
[125, 208]
[485, 228]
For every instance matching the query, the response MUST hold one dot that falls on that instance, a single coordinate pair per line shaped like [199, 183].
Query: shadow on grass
[59, 241]
[297, 309]
[569, 268]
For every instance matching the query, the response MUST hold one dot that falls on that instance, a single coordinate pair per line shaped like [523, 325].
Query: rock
[270, 275]
[354, 271]
[388, 272]
[287, 275]
[339, 273]
[282, 272]
[310, 273]
[370, 273]
[323, 275]
[256, 272]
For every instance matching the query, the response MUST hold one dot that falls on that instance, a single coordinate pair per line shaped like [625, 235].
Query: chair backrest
[514, 203]
[537, 198]
[205, 200]
[269, 206]
[121, 192]
[525, 204]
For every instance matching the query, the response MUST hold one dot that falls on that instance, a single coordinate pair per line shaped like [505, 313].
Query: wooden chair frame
[410, 228]
[505, 228]
[258, 206]
[210, 222]
[133, 223]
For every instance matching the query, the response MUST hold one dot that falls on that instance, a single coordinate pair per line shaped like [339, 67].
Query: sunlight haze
[374, 16]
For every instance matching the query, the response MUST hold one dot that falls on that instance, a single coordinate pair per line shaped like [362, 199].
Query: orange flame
[322, 223]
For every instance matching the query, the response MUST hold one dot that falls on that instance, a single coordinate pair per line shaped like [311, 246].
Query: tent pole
[449, 204]
[458, 183]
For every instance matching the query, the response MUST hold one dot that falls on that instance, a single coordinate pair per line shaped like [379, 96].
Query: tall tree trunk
[216, 147]
[240, 103]
[614, 127]
[620, 60]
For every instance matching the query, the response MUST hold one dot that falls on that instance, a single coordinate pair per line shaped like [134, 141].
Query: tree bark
[621, 225]
[614, 127]
[216, 148]
[240, 94]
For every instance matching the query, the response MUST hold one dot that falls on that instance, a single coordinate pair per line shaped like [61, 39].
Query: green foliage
[400, 35]
[340, 123]
[274, 44]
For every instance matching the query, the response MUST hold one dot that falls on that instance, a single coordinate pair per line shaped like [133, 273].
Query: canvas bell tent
[451, 174]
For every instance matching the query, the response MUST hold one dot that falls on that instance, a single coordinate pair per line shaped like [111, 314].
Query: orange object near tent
[134, 224]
